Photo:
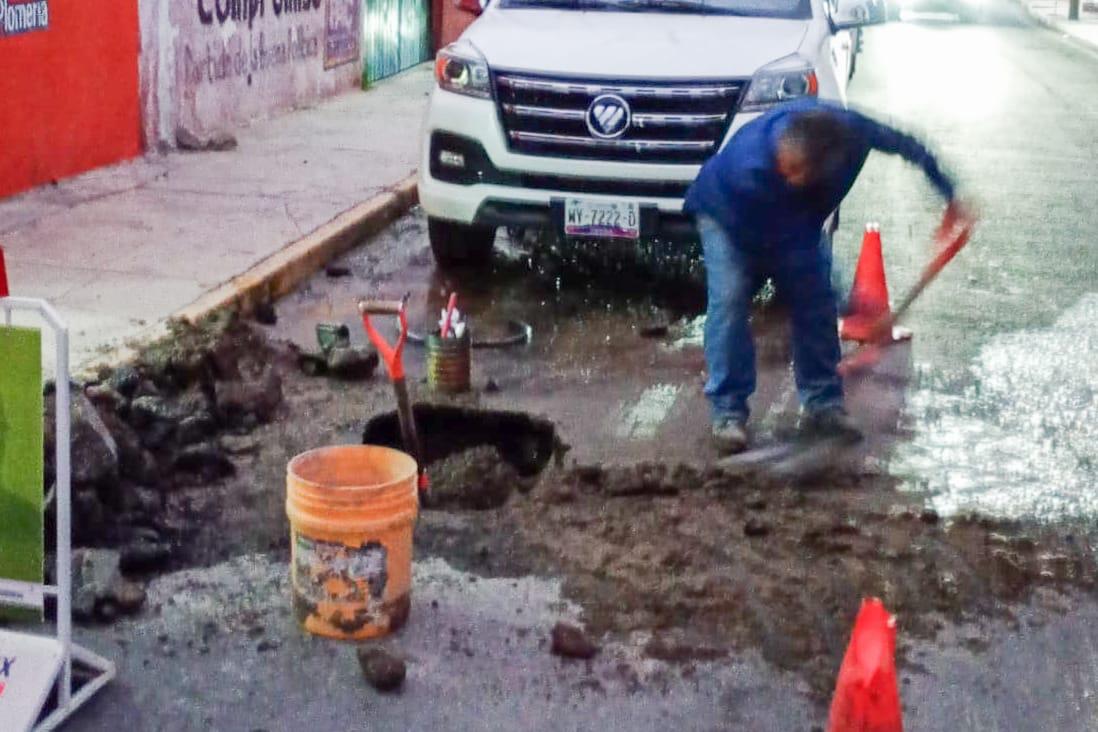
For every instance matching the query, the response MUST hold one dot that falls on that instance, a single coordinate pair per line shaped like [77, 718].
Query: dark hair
[821, 136]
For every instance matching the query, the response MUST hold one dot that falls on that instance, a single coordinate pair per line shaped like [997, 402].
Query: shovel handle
[381, 307]
[391, 353]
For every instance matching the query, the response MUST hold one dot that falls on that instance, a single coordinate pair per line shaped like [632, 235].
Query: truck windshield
[792, 9]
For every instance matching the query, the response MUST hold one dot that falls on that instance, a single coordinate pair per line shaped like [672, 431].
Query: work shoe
[729, 436]
[832, 422]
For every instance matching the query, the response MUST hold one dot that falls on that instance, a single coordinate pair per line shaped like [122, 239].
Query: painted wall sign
[23, 16]
[210, 65]
[249, 10]
[341, 33]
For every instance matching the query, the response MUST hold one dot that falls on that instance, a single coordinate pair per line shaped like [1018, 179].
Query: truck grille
[672, 122]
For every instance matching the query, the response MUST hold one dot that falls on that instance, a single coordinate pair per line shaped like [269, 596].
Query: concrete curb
[1053, 25]
[281, 272]
[278, 274]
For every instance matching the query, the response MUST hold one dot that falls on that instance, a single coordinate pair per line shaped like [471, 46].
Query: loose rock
[128, 597]
[384, 671]
[238, 399]
[217, 142]
[106, 398]
[195, 429]
[755, 528]
[135, 461]
[206, 461]
[352, 362]
[95, 573]
[239, 444]
[143, 555]
[148, 410]
[568, 641]
[265, 314]
[124, 380]
[94, 450]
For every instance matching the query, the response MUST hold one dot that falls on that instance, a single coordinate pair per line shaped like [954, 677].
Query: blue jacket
[741, 188]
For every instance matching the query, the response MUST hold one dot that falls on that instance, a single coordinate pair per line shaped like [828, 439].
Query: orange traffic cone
[867, 698]
[869, 295]
[3, 275]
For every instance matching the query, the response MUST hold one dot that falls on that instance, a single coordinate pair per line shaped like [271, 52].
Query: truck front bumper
[469, 175]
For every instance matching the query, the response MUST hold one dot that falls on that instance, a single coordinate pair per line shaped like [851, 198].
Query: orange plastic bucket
[351, 511]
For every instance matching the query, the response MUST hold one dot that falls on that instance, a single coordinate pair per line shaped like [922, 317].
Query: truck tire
[460, 245]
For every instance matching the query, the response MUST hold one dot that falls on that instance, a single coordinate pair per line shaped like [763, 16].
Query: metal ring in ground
[522, 334]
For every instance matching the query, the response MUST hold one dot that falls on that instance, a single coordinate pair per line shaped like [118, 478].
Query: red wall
[68, 94]
[449, 22]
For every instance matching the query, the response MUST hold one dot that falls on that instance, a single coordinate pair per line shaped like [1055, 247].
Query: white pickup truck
[592, 117]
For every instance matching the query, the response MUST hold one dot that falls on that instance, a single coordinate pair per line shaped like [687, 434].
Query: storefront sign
[342, 33]
[23, 16]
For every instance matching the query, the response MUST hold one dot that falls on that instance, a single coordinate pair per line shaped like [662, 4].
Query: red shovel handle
[391, 354]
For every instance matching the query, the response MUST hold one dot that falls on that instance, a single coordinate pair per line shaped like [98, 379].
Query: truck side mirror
[858, 13]
[476, 7]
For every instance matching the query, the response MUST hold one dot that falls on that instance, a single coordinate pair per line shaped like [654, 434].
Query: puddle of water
[1020, 438]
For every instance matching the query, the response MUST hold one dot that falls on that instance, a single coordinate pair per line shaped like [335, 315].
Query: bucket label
[330, 572]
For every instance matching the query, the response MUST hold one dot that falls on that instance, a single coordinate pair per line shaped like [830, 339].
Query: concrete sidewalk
[120, 249]
[1054, 13]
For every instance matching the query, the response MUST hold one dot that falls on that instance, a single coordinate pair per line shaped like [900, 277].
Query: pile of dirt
[710, 563]
[477, 479]
[176, 417]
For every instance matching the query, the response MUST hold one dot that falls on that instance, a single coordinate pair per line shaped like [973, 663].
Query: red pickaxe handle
[449, 314]
[958, 237]
[952, 236]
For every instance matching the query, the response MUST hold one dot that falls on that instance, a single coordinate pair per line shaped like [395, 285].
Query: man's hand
[958, 217]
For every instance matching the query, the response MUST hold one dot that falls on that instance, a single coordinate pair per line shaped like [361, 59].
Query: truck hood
[632, 45]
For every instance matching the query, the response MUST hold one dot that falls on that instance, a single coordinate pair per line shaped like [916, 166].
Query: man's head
[813, 144]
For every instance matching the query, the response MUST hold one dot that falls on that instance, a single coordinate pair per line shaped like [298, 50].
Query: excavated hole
[524, 442]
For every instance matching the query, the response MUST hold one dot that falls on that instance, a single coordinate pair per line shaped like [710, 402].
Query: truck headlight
[782, 81]
[461, 69]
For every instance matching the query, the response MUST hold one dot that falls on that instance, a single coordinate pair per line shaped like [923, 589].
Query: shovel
[393, 357]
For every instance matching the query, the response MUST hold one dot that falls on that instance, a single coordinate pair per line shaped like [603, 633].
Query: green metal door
[397, 36]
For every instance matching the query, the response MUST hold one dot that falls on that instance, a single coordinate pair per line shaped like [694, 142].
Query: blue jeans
[803, 275]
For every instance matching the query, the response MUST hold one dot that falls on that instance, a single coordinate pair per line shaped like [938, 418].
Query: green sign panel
[21, 459]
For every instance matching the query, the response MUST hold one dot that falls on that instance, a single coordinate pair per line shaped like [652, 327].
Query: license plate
[601, 219]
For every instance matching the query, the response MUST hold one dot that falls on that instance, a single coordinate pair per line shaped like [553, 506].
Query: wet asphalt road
[992, 406]
[1004, 403]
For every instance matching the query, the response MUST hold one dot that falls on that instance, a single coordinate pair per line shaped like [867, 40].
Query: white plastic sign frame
[67, 702]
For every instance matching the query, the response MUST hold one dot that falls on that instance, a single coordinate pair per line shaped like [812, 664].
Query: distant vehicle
[968, 11]
[592, 117]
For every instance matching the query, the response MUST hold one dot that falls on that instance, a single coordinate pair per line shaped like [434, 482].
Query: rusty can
[448, 363]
